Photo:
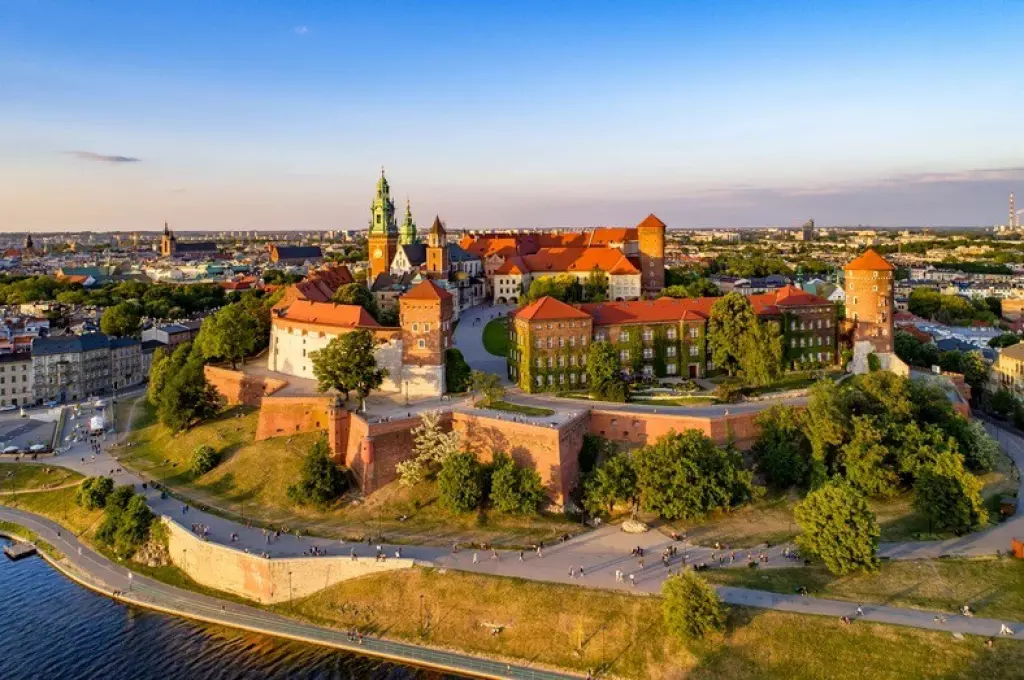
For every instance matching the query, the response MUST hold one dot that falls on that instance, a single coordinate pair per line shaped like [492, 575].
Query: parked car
[5, 409]
[11, 449]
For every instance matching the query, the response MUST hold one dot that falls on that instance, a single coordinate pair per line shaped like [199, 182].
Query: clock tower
[383, 234]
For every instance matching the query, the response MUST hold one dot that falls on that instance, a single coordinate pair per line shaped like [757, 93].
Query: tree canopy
[838, 528]
[320, 482]
[231, 333]
[347, 364]
[691, 607]
[357, 294]
[460, 482]
[123, 319]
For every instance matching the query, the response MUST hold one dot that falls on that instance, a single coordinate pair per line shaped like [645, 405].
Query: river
[52, 628]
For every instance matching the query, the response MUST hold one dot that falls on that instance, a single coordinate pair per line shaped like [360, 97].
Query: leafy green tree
[949, 496]
[359, 295]
[825, 424]
[231, 333]
[865, 460]
[457, 373]
[916, 446]
[460, 482]
[489, 386]
[731, 322]
[204, 459]
[321, 482]
[126, 521]
[691, 607]
[92, 493]
[187, 397]
[975, 371]
[121, 320]
[980, 450]
[158, 371]
[604, 373]
[388, 316]
[595, 288]
[1004, 340]
[924, 302]
[685, 476]
[761, 354]
[614, 481]
[1002, 402]
[347, 364]
[838, 528]
[782, 450]
[514, 489]
[696, 287]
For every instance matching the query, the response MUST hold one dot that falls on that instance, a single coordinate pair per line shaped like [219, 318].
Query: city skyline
[276, 119]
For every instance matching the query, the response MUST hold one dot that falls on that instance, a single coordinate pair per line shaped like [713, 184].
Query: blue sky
[278, 115]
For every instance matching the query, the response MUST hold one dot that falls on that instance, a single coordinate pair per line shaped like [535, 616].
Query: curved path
[100, 574]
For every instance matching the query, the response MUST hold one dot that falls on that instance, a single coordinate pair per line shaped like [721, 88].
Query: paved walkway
[469, 339]
[97, 572]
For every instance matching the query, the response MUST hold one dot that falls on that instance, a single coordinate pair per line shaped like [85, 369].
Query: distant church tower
[1014, 219]
[168, 242]
[383, 236]
[437, 249]
[407, 232]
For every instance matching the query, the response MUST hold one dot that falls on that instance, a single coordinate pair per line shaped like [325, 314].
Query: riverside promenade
[96, 572]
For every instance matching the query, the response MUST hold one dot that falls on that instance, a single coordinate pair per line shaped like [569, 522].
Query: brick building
[869, 300]
[426, 314]
[662, 338]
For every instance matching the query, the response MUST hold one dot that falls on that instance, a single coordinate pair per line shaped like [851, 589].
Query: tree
[121, 320]
[357, 294]
[321, 482]
[924, 302]
[690, 607]
[979, 449]
[457, 373]
[460, 482]
[838, 527]
[732, 319]
[949, 496]
[347, 364]
[684, 476]
[614, 481]
[204, 459]
[433, 446]
[514, 489]
[782, 450]
[975, 371]
[187, 398]
[1004, 340]
[489, 386]
[126, 521]
[761, 354]
[1002, 402]
[865, 460]
[604, 373]
[595, 288]
[825, 424]
[231, 333]
[158, 370]
[388, 317]
[92, 493]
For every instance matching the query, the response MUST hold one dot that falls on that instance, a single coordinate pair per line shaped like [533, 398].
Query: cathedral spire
[407, 232]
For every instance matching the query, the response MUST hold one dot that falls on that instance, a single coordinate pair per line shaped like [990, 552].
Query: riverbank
[578, 628]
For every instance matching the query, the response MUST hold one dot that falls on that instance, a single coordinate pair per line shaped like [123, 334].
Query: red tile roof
[651, 221]
[549, 308]
[556, 260]
[788, 296]
[513, 265]
[869, 261]
[328, 314]
[427, 290]
[662, 310]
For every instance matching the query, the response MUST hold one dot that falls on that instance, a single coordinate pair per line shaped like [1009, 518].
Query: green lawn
[993, 587]
[24, 477]
[517, 408]
[58, 505]
[581, 629]
[496, 337]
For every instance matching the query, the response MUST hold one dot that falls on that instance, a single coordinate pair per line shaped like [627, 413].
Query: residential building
[126, 368]
[70, 367]
[1008, 370]
[16, 379]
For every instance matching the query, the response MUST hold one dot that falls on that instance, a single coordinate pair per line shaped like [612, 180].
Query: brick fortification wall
[238, 388]
[264, 580]
[639, 429]
[281, 416]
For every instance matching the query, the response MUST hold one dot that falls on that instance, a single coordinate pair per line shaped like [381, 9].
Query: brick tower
[383, 234]
[425, 315]
[869, 300]
[437, 249]
[651, 237]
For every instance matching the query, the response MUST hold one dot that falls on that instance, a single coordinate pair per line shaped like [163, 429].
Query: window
[624, 336]
[551, 343]
[670, 369]
[583, 377]
[415, 328]
[551, 362]
[540, 362]
[624, 355]
[572, 378]
[551, 379]
[561, 378]
[561, 342]
[583, 360]
[828, 339]
[694, 350]
[583, 341]
[572, 360]
[671, 334]
[648, 353]
[561, 362]
[572, 341]
[792, 325]
[540, 343]
[426, 326]
[694, 332]
[422, 344]
[670, 351]
[648, 336]
[540, 380]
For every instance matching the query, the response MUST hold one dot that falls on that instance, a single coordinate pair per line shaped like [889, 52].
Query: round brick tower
[651, 243]
[869, 300]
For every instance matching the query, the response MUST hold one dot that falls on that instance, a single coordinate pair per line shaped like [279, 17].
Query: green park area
[626, 636]
[496, 337]
[16, 477]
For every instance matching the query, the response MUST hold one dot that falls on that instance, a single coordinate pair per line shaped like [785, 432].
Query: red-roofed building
[869, 301]
[663, 338]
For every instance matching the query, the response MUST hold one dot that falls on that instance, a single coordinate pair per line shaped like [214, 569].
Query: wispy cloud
[300, 30]
[103, 158]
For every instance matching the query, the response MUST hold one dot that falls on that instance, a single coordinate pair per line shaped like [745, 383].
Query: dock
[16, 551]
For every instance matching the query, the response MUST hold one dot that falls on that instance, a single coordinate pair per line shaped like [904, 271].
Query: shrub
[320, 481]
[204, 459]
[874, 363]
[949, 496]
[691, 608]
[460, 482]
[457, 373]
[126, 522]
[515, 489]
[92, 493]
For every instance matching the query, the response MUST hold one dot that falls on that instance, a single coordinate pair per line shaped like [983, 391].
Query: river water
[52, 628]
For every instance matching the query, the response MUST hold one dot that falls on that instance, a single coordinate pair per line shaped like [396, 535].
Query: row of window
[14, 369]
[561, 342]
[809, 325]
[561, 361]
[572, 379]
[810, 342]
[648, 352]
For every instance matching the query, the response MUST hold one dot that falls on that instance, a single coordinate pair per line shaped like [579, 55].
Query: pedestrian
[494, 554]
[1005, 630]
[476, 559]
[860, 610]
[581, 571]
[572, 573]
[632, 580]
[641, 564]
[520, 555]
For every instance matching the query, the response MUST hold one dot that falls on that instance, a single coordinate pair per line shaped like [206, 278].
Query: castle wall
[640, 429]
[282, 416]
[239, 388]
